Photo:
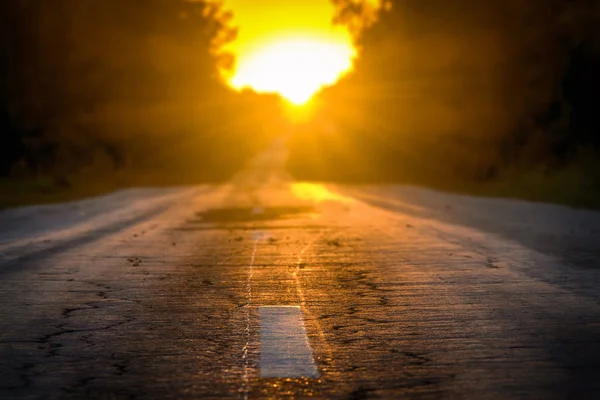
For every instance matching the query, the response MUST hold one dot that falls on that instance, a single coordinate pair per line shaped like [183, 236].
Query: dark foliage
[465, 91]
[114, 84]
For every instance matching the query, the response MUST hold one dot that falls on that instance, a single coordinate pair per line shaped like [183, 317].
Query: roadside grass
[566, 187]
[29, 191]
[23, 191]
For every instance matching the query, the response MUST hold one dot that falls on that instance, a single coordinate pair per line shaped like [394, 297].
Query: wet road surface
[268, 288]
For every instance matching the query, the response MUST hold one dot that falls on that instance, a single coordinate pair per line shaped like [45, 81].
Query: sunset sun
[291, 49]
[295, 68]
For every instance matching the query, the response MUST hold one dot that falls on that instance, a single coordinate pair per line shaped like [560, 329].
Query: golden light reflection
[317, 193]
[291, 48]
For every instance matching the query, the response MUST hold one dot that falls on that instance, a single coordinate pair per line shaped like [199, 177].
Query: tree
[76, 75]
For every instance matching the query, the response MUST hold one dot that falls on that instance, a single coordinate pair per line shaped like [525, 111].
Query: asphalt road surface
[268, 288]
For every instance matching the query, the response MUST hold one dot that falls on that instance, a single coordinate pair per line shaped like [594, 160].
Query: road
[268, 288]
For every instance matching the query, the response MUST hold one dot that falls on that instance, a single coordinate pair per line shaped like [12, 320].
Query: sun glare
[317, 193]
[288, 47]
[295, 68]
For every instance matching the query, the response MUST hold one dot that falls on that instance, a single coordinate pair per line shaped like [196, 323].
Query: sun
[294, 67]
[290, 48]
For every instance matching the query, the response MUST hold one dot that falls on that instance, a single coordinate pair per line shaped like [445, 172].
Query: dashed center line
[284, 348]
[285, 351]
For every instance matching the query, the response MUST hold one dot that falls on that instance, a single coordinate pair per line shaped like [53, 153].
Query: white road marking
[284, 348]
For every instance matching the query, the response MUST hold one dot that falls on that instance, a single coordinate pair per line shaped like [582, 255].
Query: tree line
[443, 91]
[115, 84]
[466, 91]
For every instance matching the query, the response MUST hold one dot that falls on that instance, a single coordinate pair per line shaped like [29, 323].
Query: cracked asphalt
[405, 293]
